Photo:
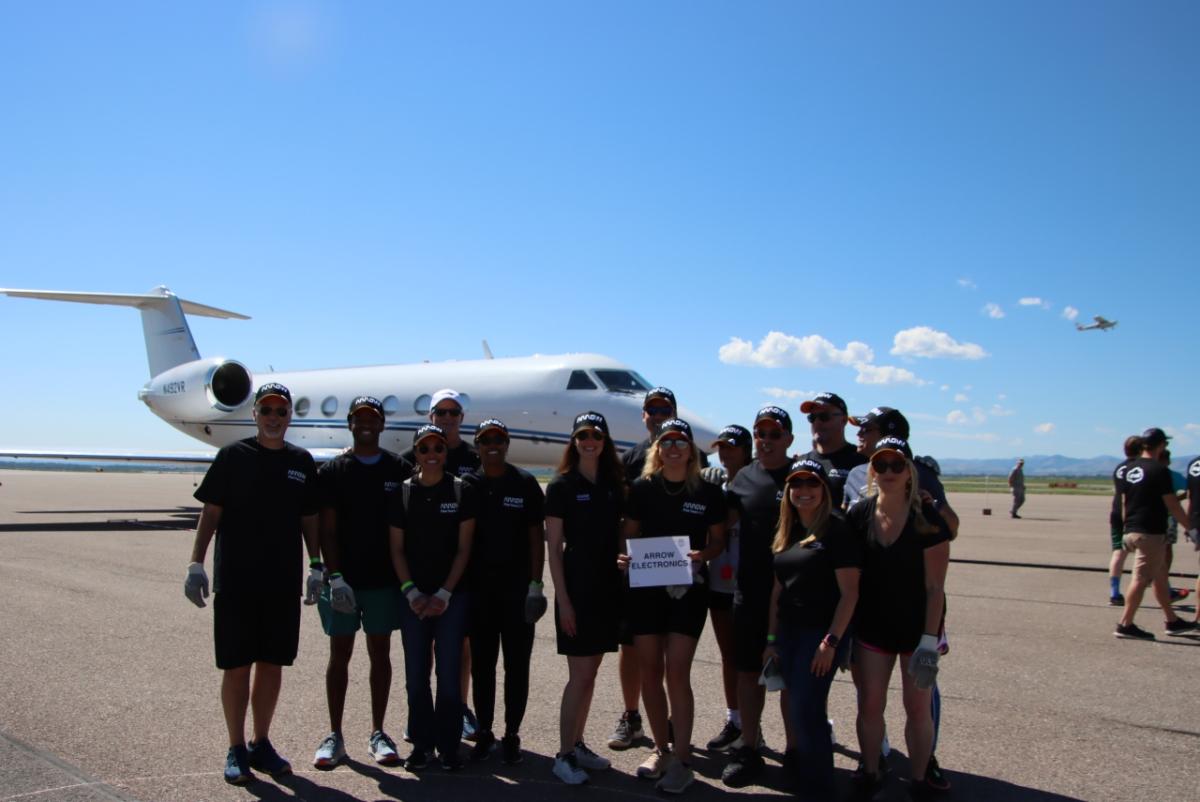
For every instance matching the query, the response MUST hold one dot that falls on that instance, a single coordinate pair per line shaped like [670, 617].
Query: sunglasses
[893, 465]
[657, 410]
[492, 440]
[823, 417]
[437, 448]
[282, 412]
[590, 434]
[674, 442]
[805, 481]
[442, 413]
[768, 434]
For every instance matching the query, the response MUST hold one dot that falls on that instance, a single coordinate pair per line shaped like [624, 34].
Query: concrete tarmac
[110, 692]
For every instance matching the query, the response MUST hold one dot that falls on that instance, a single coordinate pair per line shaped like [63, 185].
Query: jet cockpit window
[580, 381]
[622, 381]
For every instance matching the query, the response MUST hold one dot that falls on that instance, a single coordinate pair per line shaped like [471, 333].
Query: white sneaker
[655, 766]
[588, 759]
[885, 748]
[331, 752]
[832, 737]
[677, 779]
[383, 749]
[566, 769]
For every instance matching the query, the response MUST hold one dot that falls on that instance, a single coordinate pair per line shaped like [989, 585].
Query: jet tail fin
[169, 339]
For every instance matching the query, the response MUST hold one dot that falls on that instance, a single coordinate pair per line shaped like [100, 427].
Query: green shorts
[378, 612]
[1117, 534]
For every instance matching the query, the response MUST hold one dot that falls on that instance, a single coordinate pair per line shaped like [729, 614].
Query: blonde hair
[654, 464]
[788, 516]
[922, 524]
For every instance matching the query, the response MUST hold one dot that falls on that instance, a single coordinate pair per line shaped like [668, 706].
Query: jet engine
[202, 390]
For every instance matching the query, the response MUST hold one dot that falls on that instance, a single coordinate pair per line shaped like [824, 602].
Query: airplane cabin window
[580, 381]
[329, 406]
[391, 405]
[622, 381]
[301, 408]
[421, 404]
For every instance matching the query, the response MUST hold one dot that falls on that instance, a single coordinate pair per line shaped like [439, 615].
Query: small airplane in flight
[210, 398]
[1102, 324]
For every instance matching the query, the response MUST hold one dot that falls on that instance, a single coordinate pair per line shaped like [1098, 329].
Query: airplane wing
[148, 459]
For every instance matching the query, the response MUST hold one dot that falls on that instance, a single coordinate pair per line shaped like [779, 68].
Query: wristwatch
[831, 640]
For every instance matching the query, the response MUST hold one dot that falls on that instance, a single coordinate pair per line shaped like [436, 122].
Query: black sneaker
[482, 750]
[1116, 601]
[628, 730]
[743, 768]
[262, 756]
[1180, 627]
[934, 778]
[1179, 594]
[866, 785]
[450, 762]
[725, 738]
[1133, 631]
[419, 759]
[510, 749]
[237, 766]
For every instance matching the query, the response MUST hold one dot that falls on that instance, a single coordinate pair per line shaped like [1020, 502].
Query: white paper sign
[659, 561]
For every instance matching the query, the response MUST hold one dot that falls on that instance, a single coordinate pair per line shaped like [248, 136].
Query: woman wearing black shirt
[817, 565]
[583, 520]
[901, 601]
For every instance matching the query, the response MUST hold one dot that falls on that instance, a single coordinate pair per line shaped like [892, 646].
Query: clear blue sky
[668, 183]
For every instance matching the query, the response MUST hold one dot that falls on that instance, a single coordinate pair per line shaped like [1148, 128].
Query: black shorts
[596, 627]
[719, 601]
[651, 611]
[750, 633]
[256, 629]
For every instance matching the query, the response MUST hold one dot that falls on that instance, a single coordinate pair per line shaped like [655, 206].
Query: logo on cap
[428, 430]
[593, 419]
[678, 426]
[273, 388]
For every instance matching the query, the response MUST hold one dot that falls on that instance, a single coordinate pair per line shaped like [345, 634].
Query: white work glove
[1193, 536]
[341, 595]
[195, 586]
[677, 591]
[312, 586]
[535, 603]
[923, 665]
[713, 475]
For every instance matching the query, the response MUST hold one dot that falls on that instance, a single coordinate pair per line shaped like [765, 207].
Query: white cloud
[1001, 396]
[1192, 427]
[998, 411]
[923, 341]
[885, 374]
[960, 398]
[779, 392]
[1044, 428]
[956, 417]
[967, 284]
[945, 387]
[993, 311]
[1070, 312]
[978, 415]
[778, 350]
[1034, 301]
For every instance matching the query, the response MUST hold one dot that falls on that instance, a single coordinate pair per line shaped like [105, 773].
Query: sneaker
[406, 736]
[1180, 626]
[725, 738]
[1179, 594]
[655, 766]
[935, 780]
[568, 771]
[861, 769]
[885, 747]
[743, 768]
[510, 749]
[381, 747]
[628, 730]
[587, 759]
[482, 750]
[866, 785]
[1133, 631]
[331, 752]
[920, 790]
[679, 776]
[262, 756]
[470, 724]
[832, 735]
[1117, 601]
[237, 766]
[419, 759]
[450, 762]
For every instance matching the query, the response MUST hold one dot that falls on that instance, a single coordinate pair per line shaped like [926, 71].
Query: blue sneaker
[470, 728]
[237, 766]
[263, 757]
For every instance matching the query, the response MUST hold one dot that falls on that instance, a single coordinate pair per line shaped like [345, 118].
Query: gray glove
[1193, 536]
[923, 665]
[341, 595]
[312, 585]
[535, 603]
[713, 475]
[195, 587]
[677, 591]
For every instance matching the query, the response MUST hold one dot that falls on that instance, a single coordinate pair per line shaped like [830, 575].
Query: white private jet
[211, 398]
[1102, 324]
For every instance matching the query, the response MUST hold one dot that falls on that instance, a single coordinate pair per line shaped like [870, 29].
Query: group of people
[835, 559]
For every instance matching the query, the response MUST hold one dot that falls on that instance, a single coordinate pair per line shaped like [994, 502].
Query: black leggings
[498, 620]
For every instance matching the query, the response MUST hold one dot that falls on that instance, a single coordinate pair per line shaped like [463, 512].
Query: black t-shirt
[634, 459]
[891, 600]
[430, 527]
[1193, 491]
[665, 509]
[360, 495]
[806, 573]
[262, 492]
[591, 516]
[507, 506]
[755, 493]
[1118, 478]
[838, 465]
[1146, 482]
[460, 460]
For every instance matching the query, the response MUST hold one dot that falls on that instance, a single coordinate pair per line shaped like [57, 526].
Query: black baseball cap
[734, 435]
[808, 466]
[829, 399]
[589, 420]
[273, 388]
[660, 392]
[365, 402]
[488, 425]
[777, 414]
[429, 430]
[889, 420]
[676, 426]
[1154, 437]
[896, 444]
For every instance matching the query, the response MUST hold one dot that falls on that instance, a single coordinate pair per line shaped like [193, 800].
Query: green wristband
[315, 562]
[770, 639]
[406, 585]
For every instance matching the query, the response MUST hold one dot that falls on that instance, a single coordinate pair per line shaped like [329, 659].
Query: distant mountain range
[1041, 465]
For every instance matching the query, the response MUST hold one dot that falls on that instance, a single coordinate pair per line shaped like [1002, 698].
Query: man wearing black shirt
[1148, 497]
[356, 488]
[1116, 526]
[507, 559]
[1193, 491]
[259, 497]
[827, 416]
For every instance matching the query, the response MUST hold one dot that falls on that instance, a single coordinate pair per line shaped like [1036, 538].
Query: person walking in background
[1016, 481]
